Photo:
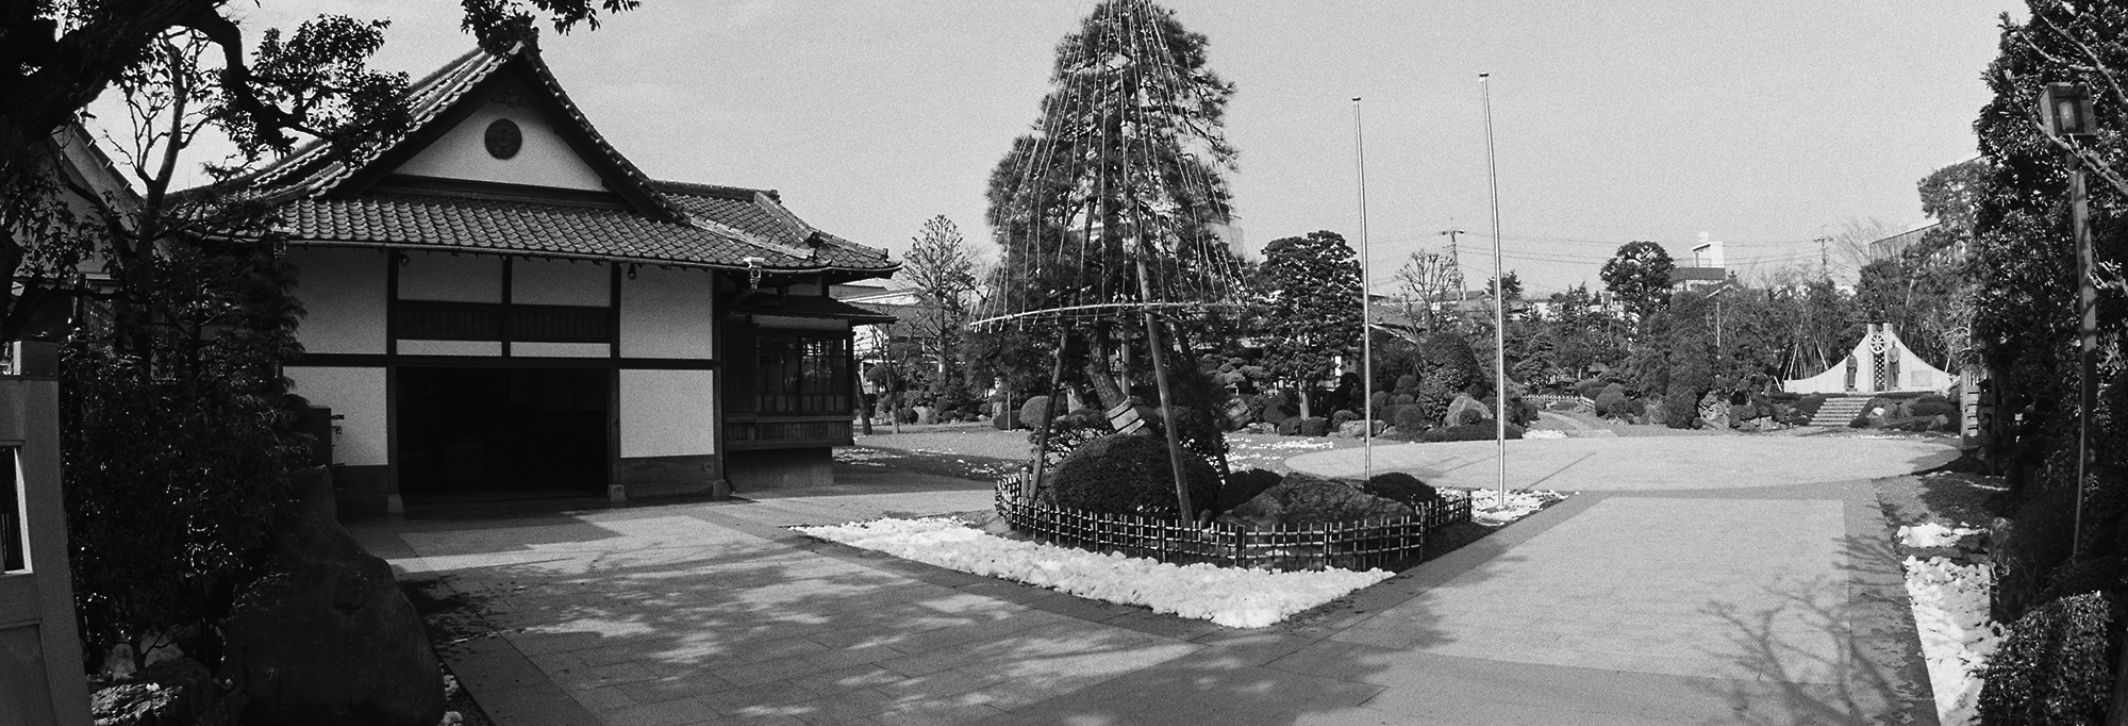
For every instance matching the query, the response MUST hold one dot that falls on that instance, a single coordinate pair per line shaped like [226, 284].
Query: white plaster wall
[668, 413]
[669, 314]
[560, 282]
[491, 348]
[1833, 380]
[343, 293]
[545, 159]
[361, 437]
[560, 350]
[452, 278]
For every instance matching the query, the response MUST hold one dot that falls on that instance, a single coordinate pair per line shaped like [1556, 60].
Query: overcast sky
[1764, 125]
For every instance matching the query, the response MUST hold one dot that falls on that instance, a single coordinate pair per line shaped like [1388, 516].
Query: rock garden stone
[1463, 403]
[325, 636]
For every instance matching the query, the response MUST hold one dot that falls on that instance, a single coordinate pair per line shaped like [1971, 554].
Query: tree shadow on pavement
[1833, 650]
[658, 616]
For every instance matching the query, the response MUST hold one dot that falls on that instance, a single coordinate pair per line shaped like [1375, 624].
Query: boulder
[325, 636]
[1714, 412]
[1463, 403]
[1303, 499]
[1237, 413]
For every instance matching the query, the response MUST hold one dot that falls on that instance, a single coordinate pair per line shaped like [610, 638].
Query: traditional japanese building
[500, 304]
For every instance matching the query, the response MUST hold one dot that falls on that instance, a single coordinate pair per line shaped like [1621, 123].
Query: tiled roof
[690, 224]
[449, 222]
[759, 215]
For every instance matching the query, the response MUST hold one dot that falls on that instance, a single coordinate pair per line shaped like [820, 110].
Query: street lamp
[2065, 114]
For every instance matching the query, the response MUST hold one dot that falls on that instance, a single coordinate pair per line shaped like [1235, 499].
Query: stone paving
[1637, 602]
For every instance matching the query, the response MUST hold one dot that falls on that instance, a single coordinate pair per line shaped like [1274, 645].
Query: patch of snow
[1950, 604]
[1487, 507]
[1931, 534]
[1232, 597]
[1543, 434]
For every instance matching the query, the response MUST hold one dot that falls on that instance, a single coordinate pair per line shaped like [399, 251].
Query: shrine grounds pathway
[1694, 580]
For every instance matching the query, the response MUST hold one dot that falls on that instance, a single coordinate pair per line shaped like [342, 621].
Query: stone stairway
[1838, 411]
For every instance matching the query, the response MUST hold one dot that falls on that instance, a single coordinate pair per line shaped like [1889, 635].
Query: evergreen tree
[1313, 314]
[1638, 276]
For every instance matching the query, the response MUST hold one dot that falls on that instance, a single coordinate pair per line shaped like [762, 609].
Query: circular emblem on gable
[504, 138]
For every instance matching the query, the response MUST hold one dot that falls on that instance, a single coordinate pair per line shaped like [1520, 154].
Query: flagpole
[1492, 177]
[1366, 311]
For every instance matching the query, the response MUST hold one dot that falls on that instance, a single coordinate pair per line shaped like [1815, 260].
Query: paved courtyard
[1643, 600]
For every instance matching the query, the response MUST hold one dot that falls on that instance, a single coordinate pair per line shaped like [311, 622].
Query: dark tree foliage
[2023, 257]
[2025, 317]
[177, 443]
[56, 57]
[1638, 276]
[1312, 314]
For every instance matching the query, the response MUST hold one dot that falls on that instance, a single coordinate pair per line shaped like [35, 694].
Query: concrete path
[1638, 601]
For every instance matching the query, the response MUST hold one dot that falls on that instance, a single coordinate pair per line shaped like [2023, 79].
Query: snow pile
[1487, 508]
[1950, 603]
[1931, 534]
[1544, 434]
[1232, 597]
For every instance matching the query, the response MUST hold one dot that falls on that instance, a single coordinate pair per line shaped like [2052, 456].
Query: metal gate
[41, 677]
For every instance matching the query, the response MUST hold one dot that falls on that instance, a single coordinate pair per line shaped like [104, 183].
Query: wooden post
[40, 649]
[1033, 483]
[1167, 403]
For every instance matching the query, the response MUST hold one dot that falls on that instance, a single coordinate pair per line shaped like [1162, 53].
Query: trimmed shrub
[1409, 419]
[1381, 402]
[1683, 409]
[1289, 426]
[2052, 669]
[1407, 383]
[1925, 408]
[1339, 419]
[1405, 399]
[1314, 426]
[1468, 432]
[1129, 474]
[1302, 499]
[1611, 401]
[1069, 432]
[1402, 488]
[1276, 410]
[1244, 485]
[1033, 411]
[2037, 541]
[1594, 387]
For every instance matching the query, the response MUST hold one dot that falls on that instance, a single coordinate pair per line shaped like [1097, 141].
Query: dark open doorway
[503, 432]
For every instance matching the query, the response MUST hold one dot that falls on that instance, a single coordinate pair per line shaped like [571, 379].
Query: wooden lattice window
[801, 375]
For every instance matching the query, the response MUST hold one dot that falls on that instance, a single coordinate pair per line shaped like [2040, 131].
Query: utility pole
[1824, 257]
[1455, 260]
